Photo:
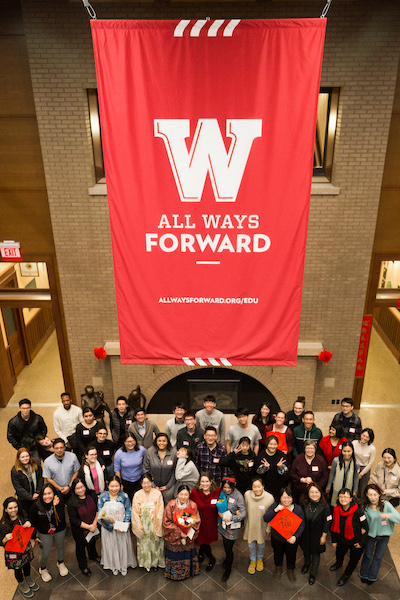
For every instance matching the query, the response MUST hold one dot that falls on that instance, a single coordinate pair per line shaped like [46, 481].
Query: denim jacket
[121, 497]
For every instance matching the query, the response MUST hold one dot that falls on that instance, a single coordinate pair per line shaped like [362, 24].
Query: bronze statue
[136, 399]
[95, 401]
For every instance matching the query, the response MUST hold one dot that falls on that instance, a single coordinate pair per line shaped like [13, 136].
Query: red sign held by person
[286, 523]
[20, 538]
[208, 134]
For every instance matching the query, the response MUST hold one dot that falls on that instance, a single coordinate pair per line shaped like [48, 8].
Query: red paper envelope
[21, 537]
[286, 523]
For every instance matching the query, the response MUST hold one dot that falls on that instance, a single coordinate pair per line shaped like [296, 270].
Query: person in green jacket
[381, 517]
[306, 431]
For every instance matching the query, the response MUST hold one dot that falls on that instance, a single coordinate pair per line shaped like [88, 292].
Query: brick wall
[361, 57]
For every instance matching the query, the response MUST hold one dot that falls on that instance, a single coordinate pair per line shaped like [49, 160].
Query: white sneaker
[123, 572]
[115, 572]
[45, 575]
[62, 569]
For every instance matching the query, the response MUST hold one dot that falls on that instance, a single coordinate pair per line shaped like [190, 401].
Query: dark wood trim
[370, 303]
[55, 302]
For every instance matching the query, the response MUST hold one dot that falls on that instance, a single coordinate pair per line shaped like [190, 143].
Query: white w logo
[208, 155]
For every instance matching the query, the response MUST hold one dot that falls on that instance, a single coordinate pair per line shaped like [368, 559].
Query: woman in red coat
[206, 494]
[331, 445]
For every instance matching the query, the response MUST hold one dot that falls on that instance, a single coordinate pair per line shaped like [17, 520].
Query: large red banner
[208, 132]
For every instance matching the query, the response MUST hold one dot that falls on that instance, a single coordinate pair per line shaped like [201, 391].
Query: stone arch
[261, 374]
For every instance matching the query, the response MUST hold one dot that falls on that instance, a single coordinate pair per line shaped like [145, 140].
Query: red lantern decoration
[100, 353]
[325, 356]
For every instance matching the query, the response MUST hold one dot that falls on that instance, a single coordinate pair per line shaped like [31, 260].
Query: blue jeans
[256, 550]
[371, 561]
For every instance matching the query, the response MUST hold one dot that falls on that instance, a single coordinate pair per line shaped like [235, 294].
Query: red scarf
[348, 526]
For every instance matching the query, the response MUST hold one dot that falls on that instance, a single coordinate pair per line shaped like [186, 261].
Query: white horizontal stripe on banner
[180, 28]
[195, 31]
[228, 31]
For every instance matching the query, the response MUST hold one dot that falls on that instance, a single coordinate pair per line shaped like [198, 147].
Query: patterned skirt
[181, 563]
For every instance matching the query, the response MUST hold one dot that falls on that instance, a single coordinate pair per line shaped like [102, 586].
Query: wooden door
[15, 347]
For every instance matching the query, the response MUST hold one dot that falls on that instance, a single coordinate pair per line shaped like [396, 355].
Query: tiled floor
[139, 584]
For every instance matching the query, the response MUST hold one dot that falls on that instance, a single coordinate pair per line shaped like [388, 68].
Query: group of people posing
[177, 490]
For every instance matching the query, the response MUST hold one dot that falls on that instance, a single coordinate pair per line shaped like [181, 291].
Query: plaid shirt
[208, 460]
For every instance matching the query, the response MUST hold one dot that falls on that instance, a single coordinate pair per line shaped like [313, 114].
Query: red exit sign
[10, 252]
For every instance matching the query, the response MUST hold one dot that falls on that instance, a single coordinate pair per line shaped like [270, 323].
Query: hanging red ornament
[325, 356]
[100, 353]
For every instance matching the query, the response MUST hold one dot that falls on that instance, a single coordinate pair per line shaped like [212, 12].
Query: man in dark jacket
[24, 427]
[350, 422]
[306, 431]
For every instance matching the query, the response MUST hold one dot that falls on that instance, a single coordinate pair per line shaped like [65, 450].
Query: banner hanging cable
[90, 9]
[326, 9]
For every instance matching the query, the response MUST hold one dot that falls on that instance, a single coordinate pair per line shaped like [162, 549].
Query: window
[96, 135]
[325, 134]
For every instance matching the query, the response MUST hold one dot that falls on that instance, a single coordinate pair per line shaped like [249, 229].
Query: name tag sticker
[85, 432]
[393, 477]
[329, 518]
[352, 430]
[362, 518]
[291, 422]
[231, 500]
[383, 523]
[12, 556]
[170, 463]
[215, 460]
[214, 501]
[366, 454]
[185, 443]
[340, 446]
[315, 468]
[261, 506]
[128, 421]
[251, 463]
[106, 453]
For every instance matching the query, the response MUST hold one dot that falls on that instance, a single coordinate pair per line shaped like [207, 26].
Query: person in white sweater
[66, 418]
[364, 453]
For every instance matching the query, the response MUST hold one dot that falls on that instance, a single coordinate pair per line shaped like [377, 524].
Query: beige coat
[154, 497]
[390, 482]
[254, 528]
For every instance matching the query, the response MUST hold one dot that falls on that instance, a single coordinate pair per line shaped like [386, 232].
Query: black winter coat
[21, 433]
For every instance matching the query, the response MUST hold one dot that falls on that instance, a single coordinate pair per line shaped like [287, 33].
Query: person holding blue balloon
[231, 513]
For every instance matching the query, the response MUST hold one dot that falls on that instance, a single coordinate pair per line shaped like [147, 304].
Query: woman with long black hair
[262, 419]
[20, 562]
[230, 521]
[48, 517]
[349, 533]
[317, 520]
[344, 473]
[381, 517]
[82, 511]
